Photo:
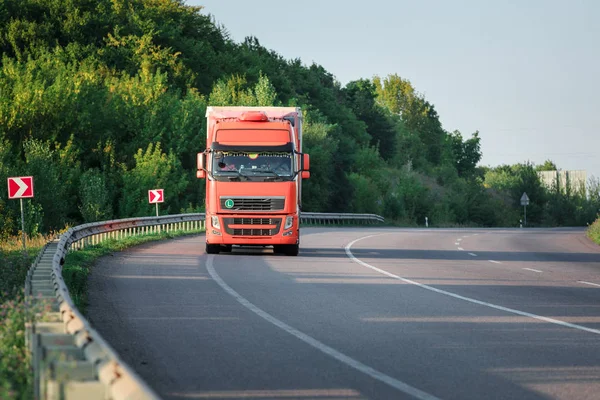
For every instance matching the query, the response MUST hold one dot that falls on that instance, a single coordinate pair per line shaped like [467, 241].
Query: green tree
[235, 92]
[514, 181]
[94, 196]
[361, 96]
[318, 194]
[548, 165]
[418, 115]
[42, 162]
[153, 170]
[466, 153]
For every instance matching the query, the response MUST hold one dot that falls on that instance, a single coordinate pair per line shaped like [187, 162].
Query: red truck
[253, 165]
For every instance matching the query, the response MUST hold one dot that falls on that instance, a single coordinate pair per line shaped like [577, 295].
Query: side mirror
[305, 163]
[201, 160]
[305, 174]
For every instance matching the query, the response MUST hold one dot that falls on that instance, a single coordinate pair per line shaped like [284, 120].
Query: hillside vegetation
[594, 231]
[102, 100]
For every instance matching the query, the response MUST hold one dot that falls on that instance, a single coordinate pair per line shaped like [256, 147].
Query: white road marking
[531, 269]
[589, 283]
[467, 299]
[461, 249]
[456, 243]
[357, 365]
[459, 240]
[473, 254]
[495, 262]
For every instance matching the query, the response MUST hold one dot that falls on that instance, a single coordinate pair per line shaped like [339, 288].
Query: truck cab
[254, 166]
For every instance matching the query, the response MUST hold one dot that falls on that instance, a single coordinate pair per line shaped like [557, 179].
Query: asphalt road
[360, 314]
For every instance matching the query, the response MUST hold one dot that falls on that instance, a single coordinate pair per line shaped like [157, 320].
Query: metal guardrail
[343, 218]
[70, 359]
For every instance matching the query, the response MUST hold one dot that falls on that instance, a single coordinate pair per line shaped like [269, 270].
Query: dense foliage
[102, 100]
[594, 231]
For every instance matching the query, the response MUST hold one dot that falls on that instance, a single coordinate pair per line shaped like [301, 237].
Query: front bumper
[261, 229]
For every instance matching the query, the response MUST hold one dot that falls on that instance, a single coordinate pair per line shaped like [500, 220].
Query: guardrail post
[53, 351]
[73, 380]
[39, 357]
[32, 339]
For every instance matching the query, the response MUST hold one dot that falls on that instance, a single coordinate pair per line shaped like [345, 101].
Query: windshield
[263, 166]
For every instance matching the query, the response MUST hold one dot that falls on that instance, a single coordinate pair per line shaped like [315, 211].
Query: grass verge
[593, 231]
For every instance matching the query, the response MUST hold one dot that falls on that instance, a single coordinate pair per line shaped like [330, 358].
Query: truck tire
[291, 249]
[212, 248]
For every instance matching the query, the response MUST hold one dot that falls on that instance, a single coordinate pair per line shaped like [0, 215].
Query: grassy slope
[594, 231]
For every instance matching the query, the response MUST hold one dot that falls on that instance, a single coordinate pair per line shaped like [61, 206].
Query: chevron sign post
[21, 188]
[156, 196]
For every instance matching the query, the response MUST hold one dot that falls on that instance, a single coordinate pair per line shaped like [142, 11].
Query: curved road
[360, 314]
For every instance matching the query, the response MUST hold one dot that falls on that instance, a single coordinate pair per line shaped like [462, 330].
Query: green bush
[16, 376]
[594, 231]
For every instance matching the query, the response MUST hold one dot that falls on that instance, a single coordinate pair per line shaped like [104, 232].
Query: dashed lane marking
[531, 269]
[464, 298]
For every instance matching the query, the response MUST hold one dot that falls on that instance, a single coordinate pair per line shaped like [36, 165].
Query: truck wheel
[291, 249]
[212, 248]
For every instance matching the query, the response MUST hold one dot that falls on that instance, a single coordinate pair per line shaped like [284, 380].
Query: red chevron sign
[156, 196]
[20, 187]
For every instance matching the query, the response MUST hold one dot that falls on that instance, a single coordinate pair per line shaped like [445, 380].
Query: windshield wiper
[268, 171]
[238, 175]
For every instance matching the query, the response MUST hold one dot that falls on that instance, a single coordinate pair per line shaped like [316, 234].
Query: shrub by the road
[594, 231]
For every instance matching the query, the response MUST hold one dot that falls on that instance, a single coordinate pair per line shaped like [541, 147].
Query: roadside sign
[525, 203]
[20, 187]
[156, 196]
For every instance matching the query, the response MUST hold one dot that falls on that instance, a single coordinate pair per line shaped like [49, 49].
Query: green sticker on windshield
[229, 203]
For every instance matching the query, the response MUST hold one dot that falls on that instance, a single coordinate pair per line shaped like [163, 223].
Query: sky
[524, 73]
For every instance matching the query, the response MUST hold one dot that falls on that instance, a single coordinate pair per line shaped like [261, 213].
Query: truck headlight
[215, 222]
[289, 221]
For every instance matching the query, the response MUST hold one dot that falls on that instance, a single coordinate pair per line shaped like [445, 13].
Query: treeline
[102, 100]
[560, 203]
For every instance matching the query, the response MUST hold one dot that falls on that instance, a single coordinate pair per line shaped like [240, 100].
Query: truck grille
[249, 230]
[252, 232]
[254, 221]
[252, 203]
